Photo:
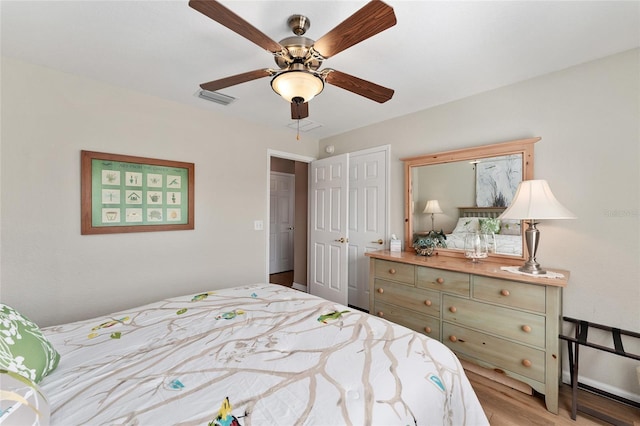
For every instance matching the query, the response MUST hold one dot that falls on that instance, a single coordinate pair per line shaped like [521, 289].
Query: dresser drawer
[395, 271]
[524, 327]
[424, 301]
[510, 293]
[443, 280]
[421, 323]
[495, 352]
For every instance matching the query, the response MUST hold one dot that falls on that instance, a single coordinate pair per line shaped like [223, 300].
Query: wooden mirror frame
[520, 146]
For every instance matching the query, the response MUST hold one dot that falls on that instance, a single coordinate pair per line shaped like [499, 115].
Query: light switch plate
[258, 225]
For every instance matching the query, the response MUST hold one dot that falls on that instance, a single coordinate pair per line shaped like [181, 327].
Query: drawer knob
[381, 290]
[380, 314]
[392, 271]
[439, 280]
[427, 329]
[453, 309]
[526, 363]
[504, 292]
[453, 338]
[427, 302]
[526, 328]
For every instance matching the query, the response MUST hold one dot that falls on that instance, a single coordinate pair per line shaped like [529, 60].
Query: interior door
[328, 228]
[368, 212]
[281, 222]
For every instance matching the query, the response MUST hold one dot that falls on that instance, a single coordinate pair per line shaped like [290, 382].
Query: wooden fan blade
[359, 86]
[299, 110]
[370, 20]
[214, 85]
[226, 17]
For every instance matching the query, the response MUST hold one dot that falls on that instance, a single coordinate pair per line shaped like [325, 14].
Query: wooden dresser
[496, 319]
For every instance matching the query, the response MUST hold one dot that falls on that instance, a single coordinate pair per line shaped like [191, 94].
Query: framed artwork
[497, 180]
[122, 193]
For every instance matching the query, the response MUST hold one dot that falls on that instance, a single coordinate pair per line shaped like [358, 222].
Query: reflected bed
[504, 236]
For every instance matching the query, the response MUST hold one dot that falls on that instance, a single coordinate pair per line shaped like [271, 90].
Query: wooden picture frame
[123, 193]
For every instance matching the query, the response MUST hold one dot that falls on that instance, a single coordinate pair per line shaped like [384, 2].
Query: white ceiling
[438, 52]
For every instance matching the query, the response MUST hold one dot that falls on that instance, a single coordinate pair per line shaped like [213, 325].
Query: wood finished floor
[282, 278]
[505, 406]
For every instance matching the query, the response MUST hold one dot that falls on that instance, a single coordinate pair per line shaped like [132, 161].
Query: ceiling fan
[298, 78]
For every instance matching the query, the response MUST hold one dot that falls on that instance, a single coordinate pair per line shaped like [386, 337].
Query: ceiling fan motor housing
[299, 24]
[298, 49]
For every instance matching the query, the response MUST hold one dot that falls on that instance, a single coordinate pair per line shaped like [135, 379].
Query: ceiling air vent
[216, 97]
[304, 125]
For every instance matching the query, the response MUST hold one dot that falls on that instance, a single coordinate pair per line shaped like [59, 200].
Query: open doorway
[288, 213]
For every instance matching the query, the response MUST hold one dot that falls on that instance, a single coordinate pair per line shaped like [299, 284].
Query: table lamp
[432, 207]
[534, 200]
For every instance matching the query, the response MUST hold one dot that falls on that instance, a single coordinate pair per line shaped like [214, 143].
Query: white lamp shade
[296, 83]
[534, 200]
[432, 207]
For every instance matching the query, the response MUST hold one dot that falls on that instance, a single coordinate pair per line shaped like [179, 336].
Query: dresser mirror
[472, 187]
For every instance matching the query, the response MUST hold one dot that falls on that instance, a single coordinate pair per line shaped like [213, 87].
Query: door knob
[342, 240]
[380, 241]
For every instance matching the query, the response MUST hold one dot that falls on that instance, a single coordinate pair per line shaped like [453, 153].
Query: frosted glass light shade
[534, 200]
[297, 84]
[432, 207]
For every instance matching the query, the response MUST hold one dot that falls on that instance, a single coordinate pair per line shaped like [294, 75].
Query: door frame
[286, 156]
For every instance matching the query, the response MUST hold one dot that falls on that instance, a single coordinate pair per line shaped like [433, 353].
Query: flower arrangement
[425, 242]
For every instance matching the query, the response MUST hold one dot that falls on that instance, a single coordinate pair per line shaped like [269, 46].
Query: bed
[255, 355]
[505, 236]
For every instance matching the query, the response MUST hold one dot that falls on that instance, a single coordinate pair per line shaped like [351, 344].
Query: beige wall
[431, 185]
[52, 273]
[587, 117]
[283, 165]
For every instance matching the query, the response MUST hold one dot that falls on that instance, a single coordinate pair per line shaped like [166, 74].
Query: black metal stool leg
[574, 384]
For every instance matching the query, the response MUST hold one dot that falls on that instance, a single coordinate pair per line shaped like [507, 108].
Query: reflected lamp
[432, 208]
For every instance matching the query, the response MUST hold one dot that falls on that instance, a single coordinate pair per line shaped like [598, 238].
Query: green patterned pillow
[23, 348]
[490, 226]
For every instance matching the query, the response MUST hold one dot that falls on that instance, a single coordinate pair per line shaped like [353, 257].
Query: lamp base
[532, 268]
[532, 236]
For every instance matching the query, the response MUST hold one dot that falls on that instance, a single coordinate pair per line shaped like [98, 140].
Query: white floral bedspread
[257, 355]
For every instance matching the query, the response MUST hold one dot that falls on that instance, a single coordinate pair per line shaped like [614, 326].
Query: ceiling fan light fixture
[297, 84]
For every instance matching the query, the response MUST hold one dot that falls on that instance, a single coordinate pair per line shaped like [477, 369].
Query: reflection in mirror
[472, 187]
[489, 183]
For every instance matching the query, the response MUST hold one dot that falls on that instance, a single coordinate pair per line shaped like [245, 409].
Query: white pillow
[510, 227]
[466, 225]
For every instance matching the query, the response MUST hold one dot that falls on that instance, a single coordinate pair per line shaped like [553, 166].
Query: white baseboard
[566, 378]
[300, 287]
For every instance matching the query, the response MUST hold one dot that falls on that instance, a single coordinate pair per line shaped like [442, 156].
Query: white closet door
[368, 217]
[328, 228]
